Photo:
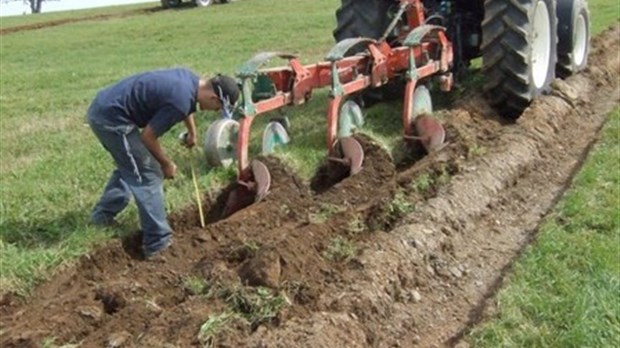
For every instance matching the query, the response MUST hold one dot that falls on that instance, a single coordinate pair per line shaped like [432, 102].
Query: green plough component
[415, 37]
[250, 68]
[340, 50]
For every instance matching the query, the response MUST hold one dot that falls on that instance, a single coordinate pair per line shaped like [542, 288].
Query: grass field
[564, 290]
[16, 21]
[52, 169]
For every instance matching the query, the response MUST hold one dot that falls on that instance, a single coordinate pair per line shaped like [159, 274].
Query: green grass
[603, 13]
[212, 327]
[256, 305]
[16, 21]
[52, 169]
[565, 290]
[340, 250]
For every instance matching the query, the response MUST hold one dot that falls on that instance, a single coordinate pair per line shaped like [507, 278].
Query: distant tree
[35, 5]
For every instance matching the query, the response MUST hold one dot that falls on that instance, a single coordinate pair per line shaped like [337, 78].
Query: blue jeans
[137, 173]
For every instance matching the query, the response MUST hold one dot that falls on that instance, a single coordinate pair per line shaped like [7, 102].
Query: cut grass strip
[53, 170]
[565, 290]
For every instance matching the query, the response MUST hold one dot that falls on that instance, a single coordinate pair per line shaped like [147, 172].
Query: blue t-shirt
[158, 98]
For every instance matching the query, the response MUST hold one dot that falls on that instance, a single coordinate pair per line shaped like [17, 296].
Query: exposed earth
[400, 255]
[54, 23]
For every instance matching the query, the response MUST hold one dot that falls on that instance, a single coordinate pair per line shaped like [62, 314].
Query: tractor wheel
[519, 52]
[203, 3]
[365, 18]
[170, 3]
[573, 36]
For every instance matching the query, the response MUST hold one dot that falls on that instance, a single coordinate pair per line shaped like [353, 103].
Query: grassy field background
[82, 14]
[52, 169]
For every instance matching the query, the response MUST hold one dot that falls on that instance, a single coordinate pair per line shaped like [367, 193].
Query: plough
[425, 52]
[410, 41]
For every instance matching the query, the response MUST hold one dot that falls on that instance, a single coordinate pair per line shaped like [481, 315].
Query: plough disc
[429, 131]
[350, 119]
[220, 143]
[422, 102]
[262, 180]
[347, 152]
[249, 191]
[274, 135]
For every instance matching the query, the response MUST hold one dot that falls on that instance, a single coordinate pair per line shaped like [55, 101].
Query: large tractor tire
[365, 18]
[573, 36]
[519, 52]
[170, 3]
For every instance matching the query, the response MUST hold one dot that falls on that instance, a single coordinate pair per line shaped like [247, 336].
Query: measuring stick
[198, 200]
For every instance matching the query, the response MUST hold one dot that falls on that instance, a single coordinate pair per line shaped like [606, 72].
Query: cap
[227, 92]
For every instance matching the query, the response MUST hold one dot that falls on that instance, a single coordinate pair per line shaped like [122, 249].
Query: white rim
[203, 2]
[580, 40]
[220, 142]
[541, 44]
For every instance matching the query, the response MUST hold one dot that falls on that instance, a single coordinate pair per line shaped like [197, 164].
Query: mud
[55, 23]
[392, 257]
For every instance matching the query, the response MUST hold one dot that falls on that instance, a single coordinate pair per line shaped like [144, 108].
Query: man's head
[218, 93]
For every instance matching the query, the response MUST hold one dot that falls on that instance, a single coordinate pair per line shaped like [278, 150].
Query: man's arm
[149, 138]
[190, 141]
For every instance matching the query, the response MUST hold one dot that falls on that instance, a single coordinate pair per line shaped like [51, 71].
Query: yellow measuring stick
[198, 200]
[182, 138]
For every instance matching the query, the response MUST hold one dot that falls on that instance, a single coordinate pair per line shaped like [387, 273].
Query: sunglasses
[227, 108]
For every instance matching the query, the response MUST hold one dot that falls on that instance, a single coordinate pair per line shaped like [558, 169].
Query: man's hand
[190, 137]
[189, 140]
[169, 169]
[149, 139]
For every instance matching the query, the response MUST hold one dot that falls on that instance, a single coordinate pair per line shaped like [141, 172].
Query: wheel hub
[580, 46]
[541, 45]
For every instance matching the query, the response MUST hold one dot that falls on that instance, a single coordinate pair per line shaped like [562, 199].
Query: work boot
[159, 255]
[104, 223]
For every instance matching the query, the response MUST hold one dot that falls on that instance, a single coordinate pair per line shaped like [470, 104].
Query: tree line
[35, 5]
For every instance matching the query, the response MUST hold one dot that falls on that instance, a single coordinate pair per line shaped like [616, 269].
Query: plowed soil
[393, 257]
[48, 24]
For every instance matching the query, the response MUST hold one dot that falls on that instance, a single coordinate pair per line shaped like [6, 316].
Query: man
[152, 101]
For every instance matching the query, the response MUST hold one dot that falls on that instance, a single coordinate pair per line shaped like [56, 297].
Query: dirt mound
[389, 257]
[58, 22]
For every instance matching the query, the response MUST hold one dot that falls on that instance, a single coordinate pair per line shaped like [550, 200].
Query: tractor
[524, 44]
[199, 3]
[400, 48]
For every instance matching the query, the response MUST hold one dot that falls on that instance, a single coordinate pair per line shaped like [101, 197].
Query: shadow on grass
[44, 233]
